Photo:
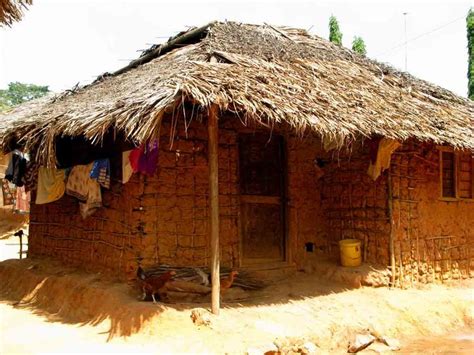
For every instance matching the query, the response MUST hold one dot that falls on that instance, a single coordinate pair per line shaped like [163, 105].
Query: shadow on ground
[68, 295]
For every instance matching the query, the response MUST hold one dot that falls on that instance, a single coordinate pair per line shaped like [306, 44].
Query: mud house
[273, 142]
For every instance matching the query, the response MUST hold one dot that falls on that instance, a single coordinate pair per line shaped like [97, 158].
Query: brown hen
[227, 282]
[151, 284]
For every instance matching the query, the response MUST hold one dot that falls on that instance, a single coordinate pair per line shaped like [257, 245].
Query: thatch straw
[271, 75]
[12, 10]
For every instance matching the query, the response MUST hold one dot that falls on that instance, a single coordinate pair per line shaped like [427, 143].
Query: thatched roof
[268, 74]
[12, 10]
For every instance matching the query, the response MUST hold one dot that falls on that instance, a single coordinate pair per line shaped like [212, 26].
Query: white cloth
[127, 170]
[384, 153]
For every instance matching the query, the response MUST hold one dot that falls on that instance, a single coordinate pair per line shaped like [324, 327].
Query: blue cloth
[101, 172]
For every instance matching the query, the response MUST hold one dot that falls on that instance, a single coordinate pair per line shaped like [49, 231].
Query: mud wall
[434, 238]
[306, 222]
[353, 205]
[107, 241]
[174, 215]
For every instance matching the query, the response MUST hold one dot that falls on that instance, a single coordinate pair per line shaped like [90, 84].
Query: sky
[60, 43]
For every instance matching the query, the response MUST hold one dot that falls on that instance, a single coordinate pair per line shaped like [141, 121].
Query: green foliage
[3, 107]
[19, 92]
[470, 49]
[358, 45]
[335, 34]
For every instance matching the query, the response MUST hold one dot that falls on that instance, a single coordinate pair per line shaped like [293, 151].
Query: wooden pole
[390, 215]
[212, 126]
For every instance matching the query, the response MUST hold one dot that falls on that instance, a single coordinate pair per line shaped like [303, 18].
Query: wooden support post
[212, 126]
[390, 215]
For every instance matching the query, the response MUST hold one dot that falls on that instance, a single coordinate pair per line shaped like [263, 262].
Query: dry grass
[12, 10]
[262, 73]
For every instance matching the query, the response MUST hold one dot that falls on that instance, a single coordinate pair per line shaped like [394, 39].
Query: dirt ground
[48, 308]
[10, 222]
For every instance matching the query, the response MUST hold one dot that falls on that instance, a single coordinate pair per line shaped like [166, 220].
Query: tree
[335, 34]
[19, 92]
[358, 45]
[470, 50]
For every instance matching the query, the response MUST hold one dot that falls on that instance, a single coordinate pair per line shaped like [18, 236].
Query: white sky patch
[60, 43]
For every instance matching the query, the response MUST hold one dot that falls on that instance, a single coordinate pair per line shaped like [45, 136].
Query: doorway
[262, 165]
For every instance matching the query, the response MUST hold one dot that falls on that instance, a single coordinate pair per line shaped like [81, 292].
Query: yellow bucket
[350, 252]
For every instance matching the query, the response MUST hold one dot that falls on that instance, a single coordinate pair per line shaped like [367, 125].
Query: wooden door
[262, 193]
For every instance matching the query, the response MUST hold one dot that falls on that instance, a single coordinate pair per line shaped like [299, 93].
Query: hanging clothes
[145, 158]
[94, 199]
[7, 193]
[93, 203]
[127, 170]
[78, 182]
[85, 189]
[31, 176]
[134, 158]
[4, 196]
[101, 172]
[149, 159]
[22, 202]
[385, 149]
[16, 169]
[51, 185]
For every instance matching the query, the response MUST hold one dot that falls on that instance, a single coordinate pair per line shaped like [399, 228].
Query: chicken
[151, 284]
[228, 281]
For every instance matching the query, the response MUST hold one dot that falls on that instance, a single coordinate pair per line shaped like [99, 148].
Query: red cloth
[145, 159]
[135, 158]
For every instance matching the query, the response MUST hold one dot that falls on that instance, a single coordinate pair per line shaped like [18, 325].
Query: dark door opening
[262, 194]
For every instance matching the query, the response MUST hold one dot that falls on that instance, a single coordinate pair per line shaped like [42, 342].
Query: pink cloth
[22, 203]
[145, 158]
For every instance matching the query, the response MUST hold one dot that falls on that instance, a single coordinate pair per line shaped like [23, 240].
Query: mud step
[270, 271]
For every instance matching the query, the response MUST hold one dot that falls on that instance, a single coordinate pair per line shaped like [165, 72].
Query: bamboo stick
[390, 214]
[214, 206]
[441, 237]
